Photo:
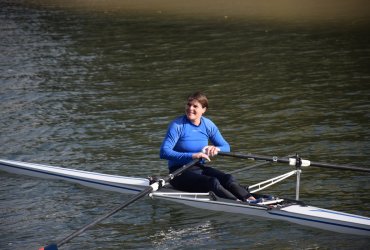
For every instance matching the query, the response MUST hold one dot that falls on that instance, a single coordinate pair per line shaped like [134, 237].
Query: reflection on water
[195, 236]
[95, 91]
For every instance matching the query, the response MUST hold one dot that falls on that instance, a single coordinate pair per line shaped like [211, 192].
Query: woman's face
[194, 111]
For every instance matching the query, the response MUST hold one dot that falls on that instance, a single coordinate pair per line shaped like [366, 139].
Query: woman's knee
[228, 179]
[213, 183]
[219, 190]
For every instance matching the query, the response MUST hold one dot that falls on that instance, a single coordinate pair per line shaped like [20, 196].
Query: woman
[187, 138]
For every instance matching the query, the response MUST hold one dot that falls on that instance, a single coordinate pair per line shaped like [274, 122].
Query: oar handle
[292, 161]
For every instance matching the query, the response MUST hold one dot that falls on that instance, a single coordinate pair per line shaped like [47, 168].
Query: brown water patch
[355, 11]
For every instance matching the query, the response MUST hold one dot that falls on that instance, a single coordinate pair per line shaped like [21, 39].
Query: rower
[187, 138]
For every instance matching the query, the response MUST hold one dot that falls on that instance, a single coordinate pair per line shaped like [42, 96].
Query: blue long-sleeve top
[183, 139]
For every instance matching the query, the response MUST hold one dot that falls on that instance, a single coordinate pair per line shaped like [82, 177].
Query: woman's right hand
[201, 155]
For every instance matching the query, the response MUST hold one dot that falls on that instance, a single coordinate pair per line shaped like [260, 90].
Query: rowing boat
[277, 209]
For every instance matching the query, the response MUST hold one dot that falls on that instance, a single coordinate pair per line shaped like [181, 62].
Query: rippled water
[95, 90]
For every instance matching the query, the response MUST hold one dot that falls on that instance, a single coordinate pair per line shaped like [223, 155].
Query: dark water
[95, 90]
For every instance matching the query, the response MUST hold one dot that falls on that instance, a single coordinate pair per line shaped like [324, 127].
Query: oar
[153, 187]
[253, 166]
[293, 161]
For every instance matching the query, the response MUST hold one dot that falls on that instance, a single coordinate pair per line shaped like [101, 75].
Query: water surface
[95, 90]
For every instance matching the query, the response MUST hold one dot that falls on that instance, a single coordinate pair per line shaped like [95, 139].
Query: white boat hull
[324, 219]
[299, 214]
[292, 212]
[122, 184]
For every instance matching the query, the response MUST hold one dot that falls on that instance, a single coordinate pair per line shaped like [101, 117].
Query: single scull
[279, 209]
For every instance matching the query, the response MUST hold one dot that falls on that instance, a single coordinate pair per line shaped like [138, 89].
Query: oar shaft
[286, 160]
[334, 166]
[255, 157]
[146, 191]
[253, 166]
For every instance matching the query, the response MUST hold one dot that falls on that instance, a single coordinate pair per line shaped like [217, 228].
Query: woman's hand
[201, 155]
[207, 151]
[210, 150]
